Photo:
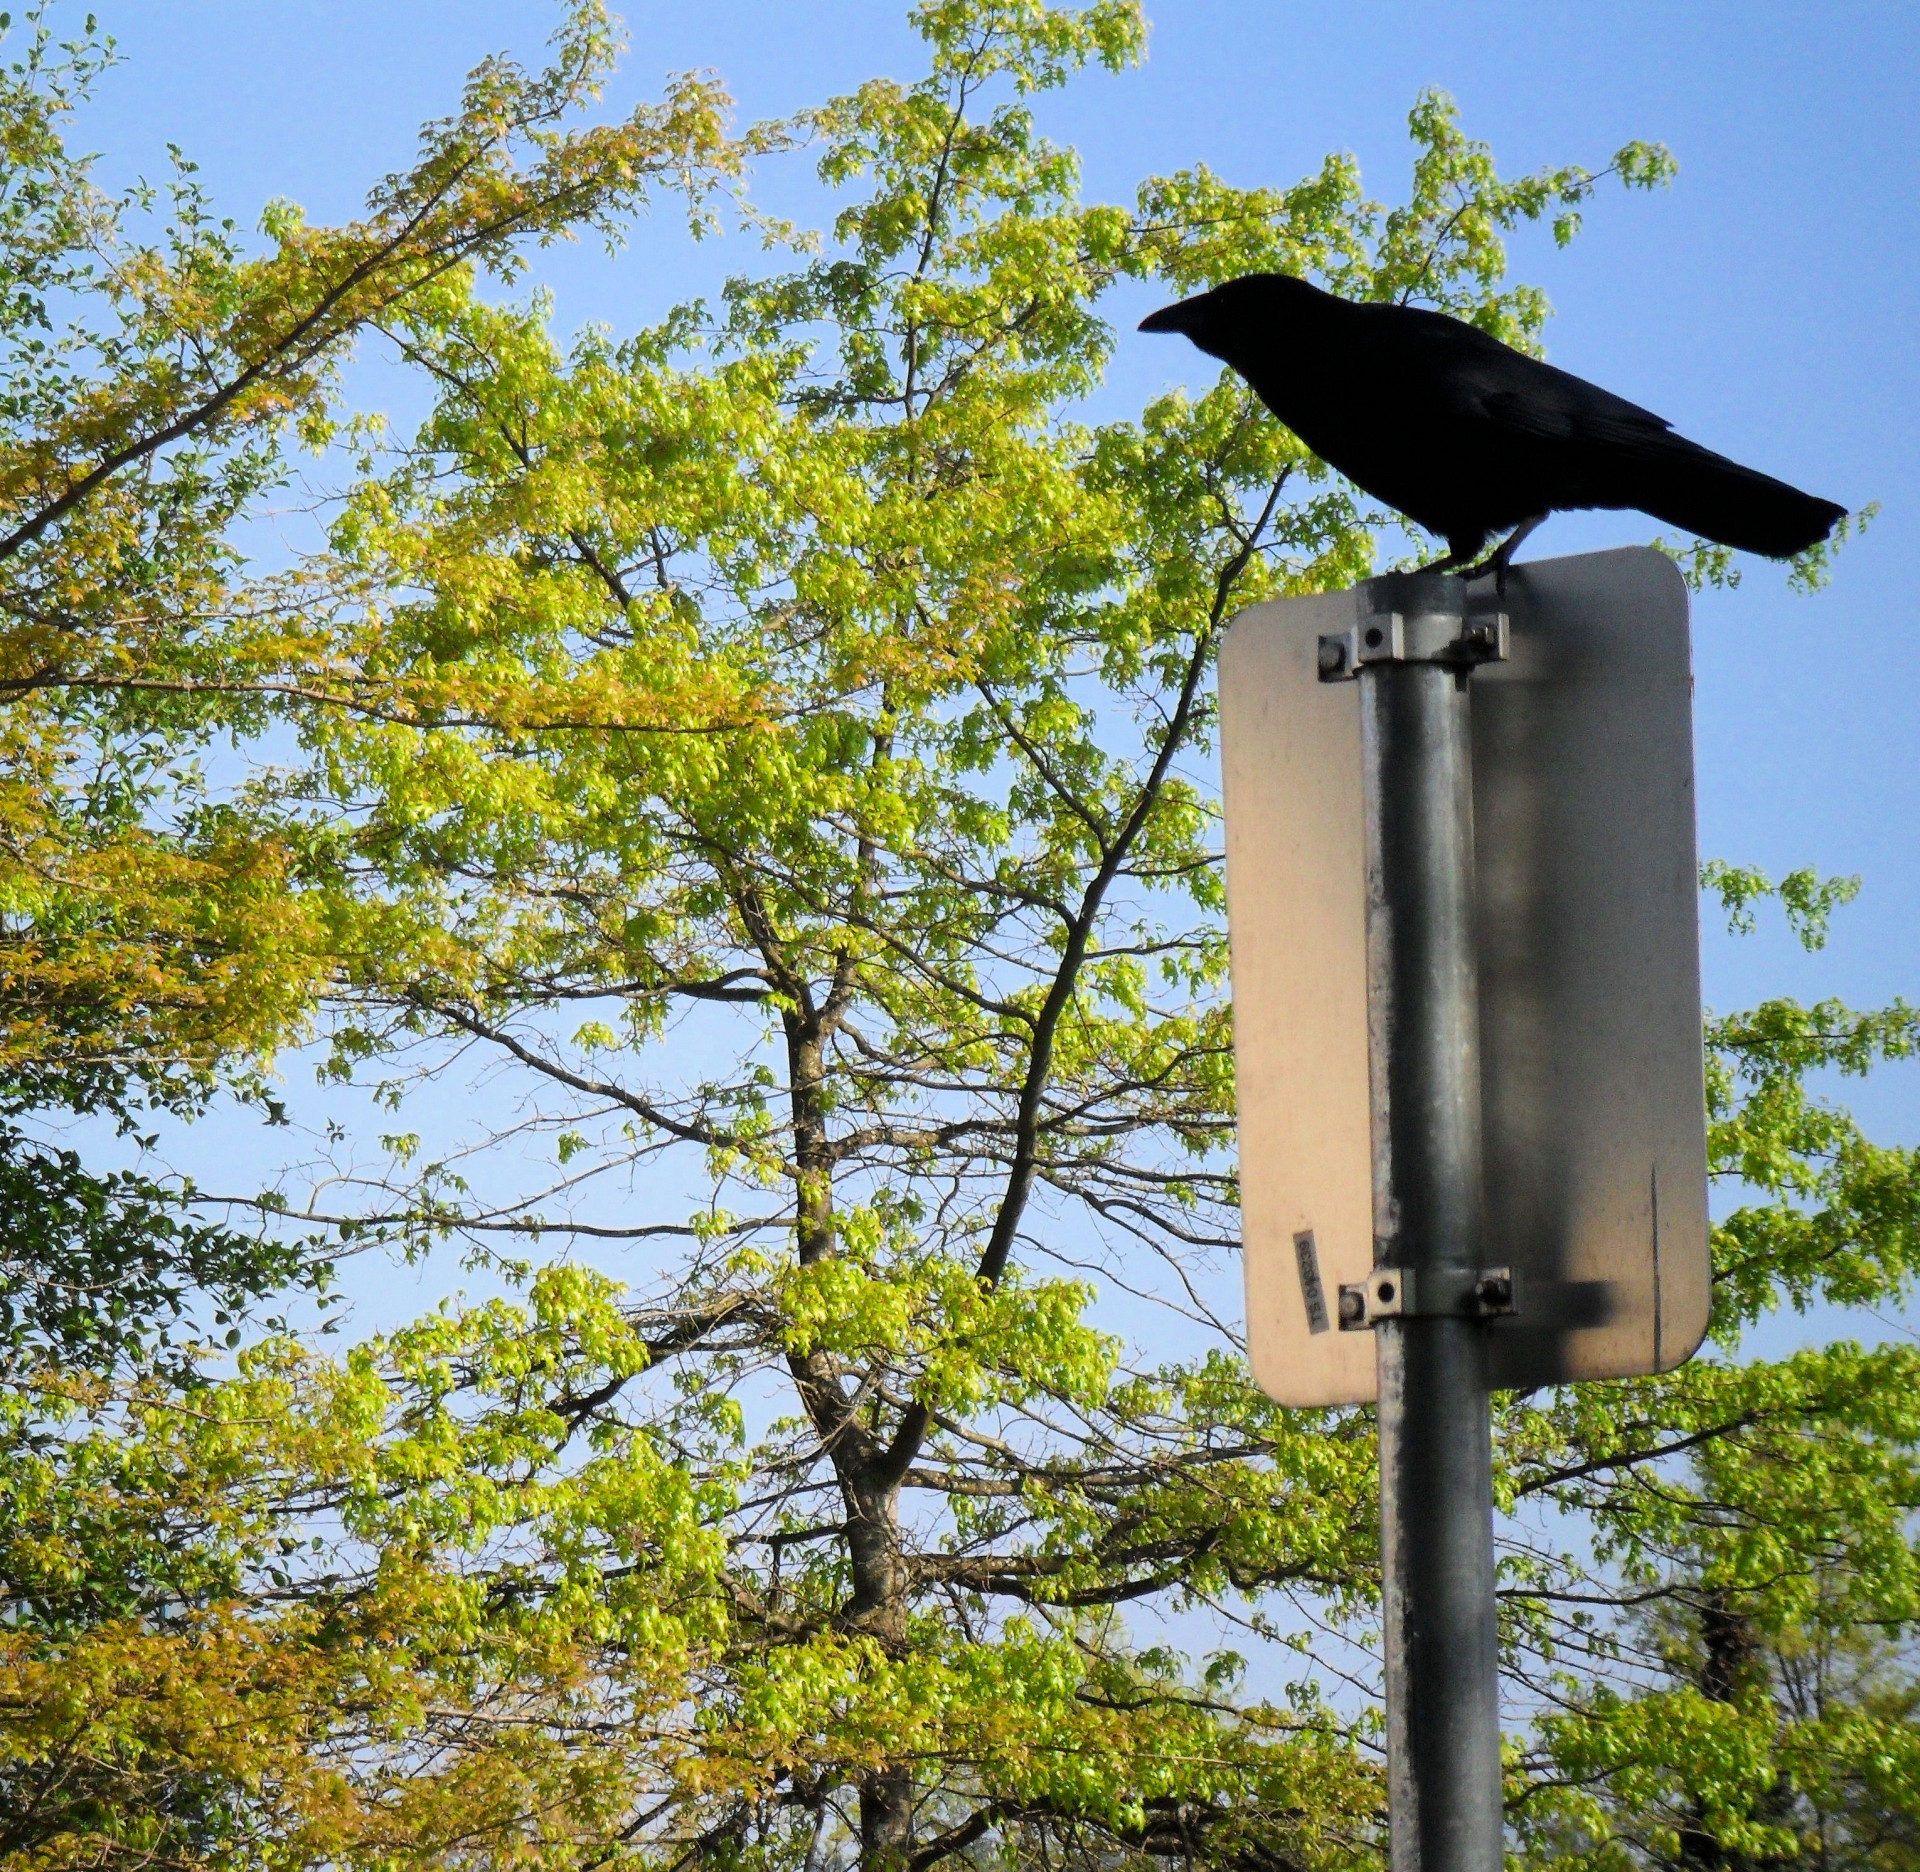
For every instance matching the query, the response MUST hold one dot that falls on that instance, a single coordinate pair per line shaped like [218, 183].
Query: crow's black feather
[1466, 435]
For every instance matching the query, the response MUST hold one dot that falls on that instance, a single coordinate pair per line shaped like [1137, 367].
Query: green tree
[153, 374]
[769, 752]
[1751, 1702]
[156, 370]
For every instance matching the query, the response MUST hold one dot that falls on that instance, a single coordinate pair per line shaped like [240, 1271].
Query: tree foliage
[153, 369]
[739, 791]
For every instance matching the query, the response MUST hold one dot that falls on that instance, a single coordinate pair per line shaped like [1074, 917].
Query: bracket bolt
[1495, 1290]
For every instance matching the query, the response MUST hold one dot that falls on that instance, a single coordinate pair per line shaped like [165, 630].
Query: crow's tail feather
[1691, 487]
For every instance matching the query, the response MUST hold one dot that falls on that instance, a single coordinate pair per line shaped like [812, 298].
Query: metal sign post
[1428, 1293]
[1586, 955]
[1462, 896]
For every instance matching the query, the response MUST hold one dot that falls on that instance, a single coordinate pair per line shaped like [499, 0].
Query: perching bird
[1468, 436]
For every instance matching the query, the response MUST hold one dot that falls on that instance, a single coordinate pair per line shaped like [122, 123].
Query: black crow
[1468, 436]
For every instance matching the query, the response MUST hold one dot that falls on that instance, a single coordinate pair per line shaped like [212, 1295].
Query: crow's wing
[1479, 380]
[1594, 449]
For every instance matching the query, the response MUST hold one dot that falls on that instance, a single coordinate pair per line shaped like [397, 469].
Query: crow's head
[1256, 308]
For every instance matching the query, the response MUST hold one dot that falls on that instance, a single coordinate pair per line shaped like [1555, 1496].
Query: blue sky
[1766, 304]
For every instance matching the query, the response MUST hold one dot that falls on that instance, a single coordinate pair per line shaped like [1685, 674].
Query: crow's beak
[1170, 318]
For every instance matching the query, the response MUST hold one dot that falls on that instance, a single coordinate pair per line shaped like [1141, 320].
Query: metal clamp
[1417, 1293]
[1416, 617]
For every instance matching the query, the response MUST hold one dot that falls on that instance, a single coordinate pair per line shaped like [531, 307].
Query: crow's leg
[1501, 557]
[1503, 553]
[1461, 548]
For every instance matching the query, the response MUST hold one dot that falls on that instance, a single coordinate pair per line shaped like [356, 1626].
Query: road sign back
[1587, 906]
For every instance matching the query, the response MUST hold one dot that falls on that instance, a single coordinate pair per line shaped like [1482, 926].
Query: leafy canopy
[739, 792]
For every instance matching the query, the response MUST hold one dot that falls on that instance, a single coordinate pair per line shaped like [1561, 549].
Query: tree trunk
[877, 1604]
[1730, 1656]
[886, 1820]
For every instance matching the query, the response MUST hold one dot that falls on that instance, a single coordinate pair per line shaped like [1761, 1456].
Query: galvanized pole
[1430, 1294]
